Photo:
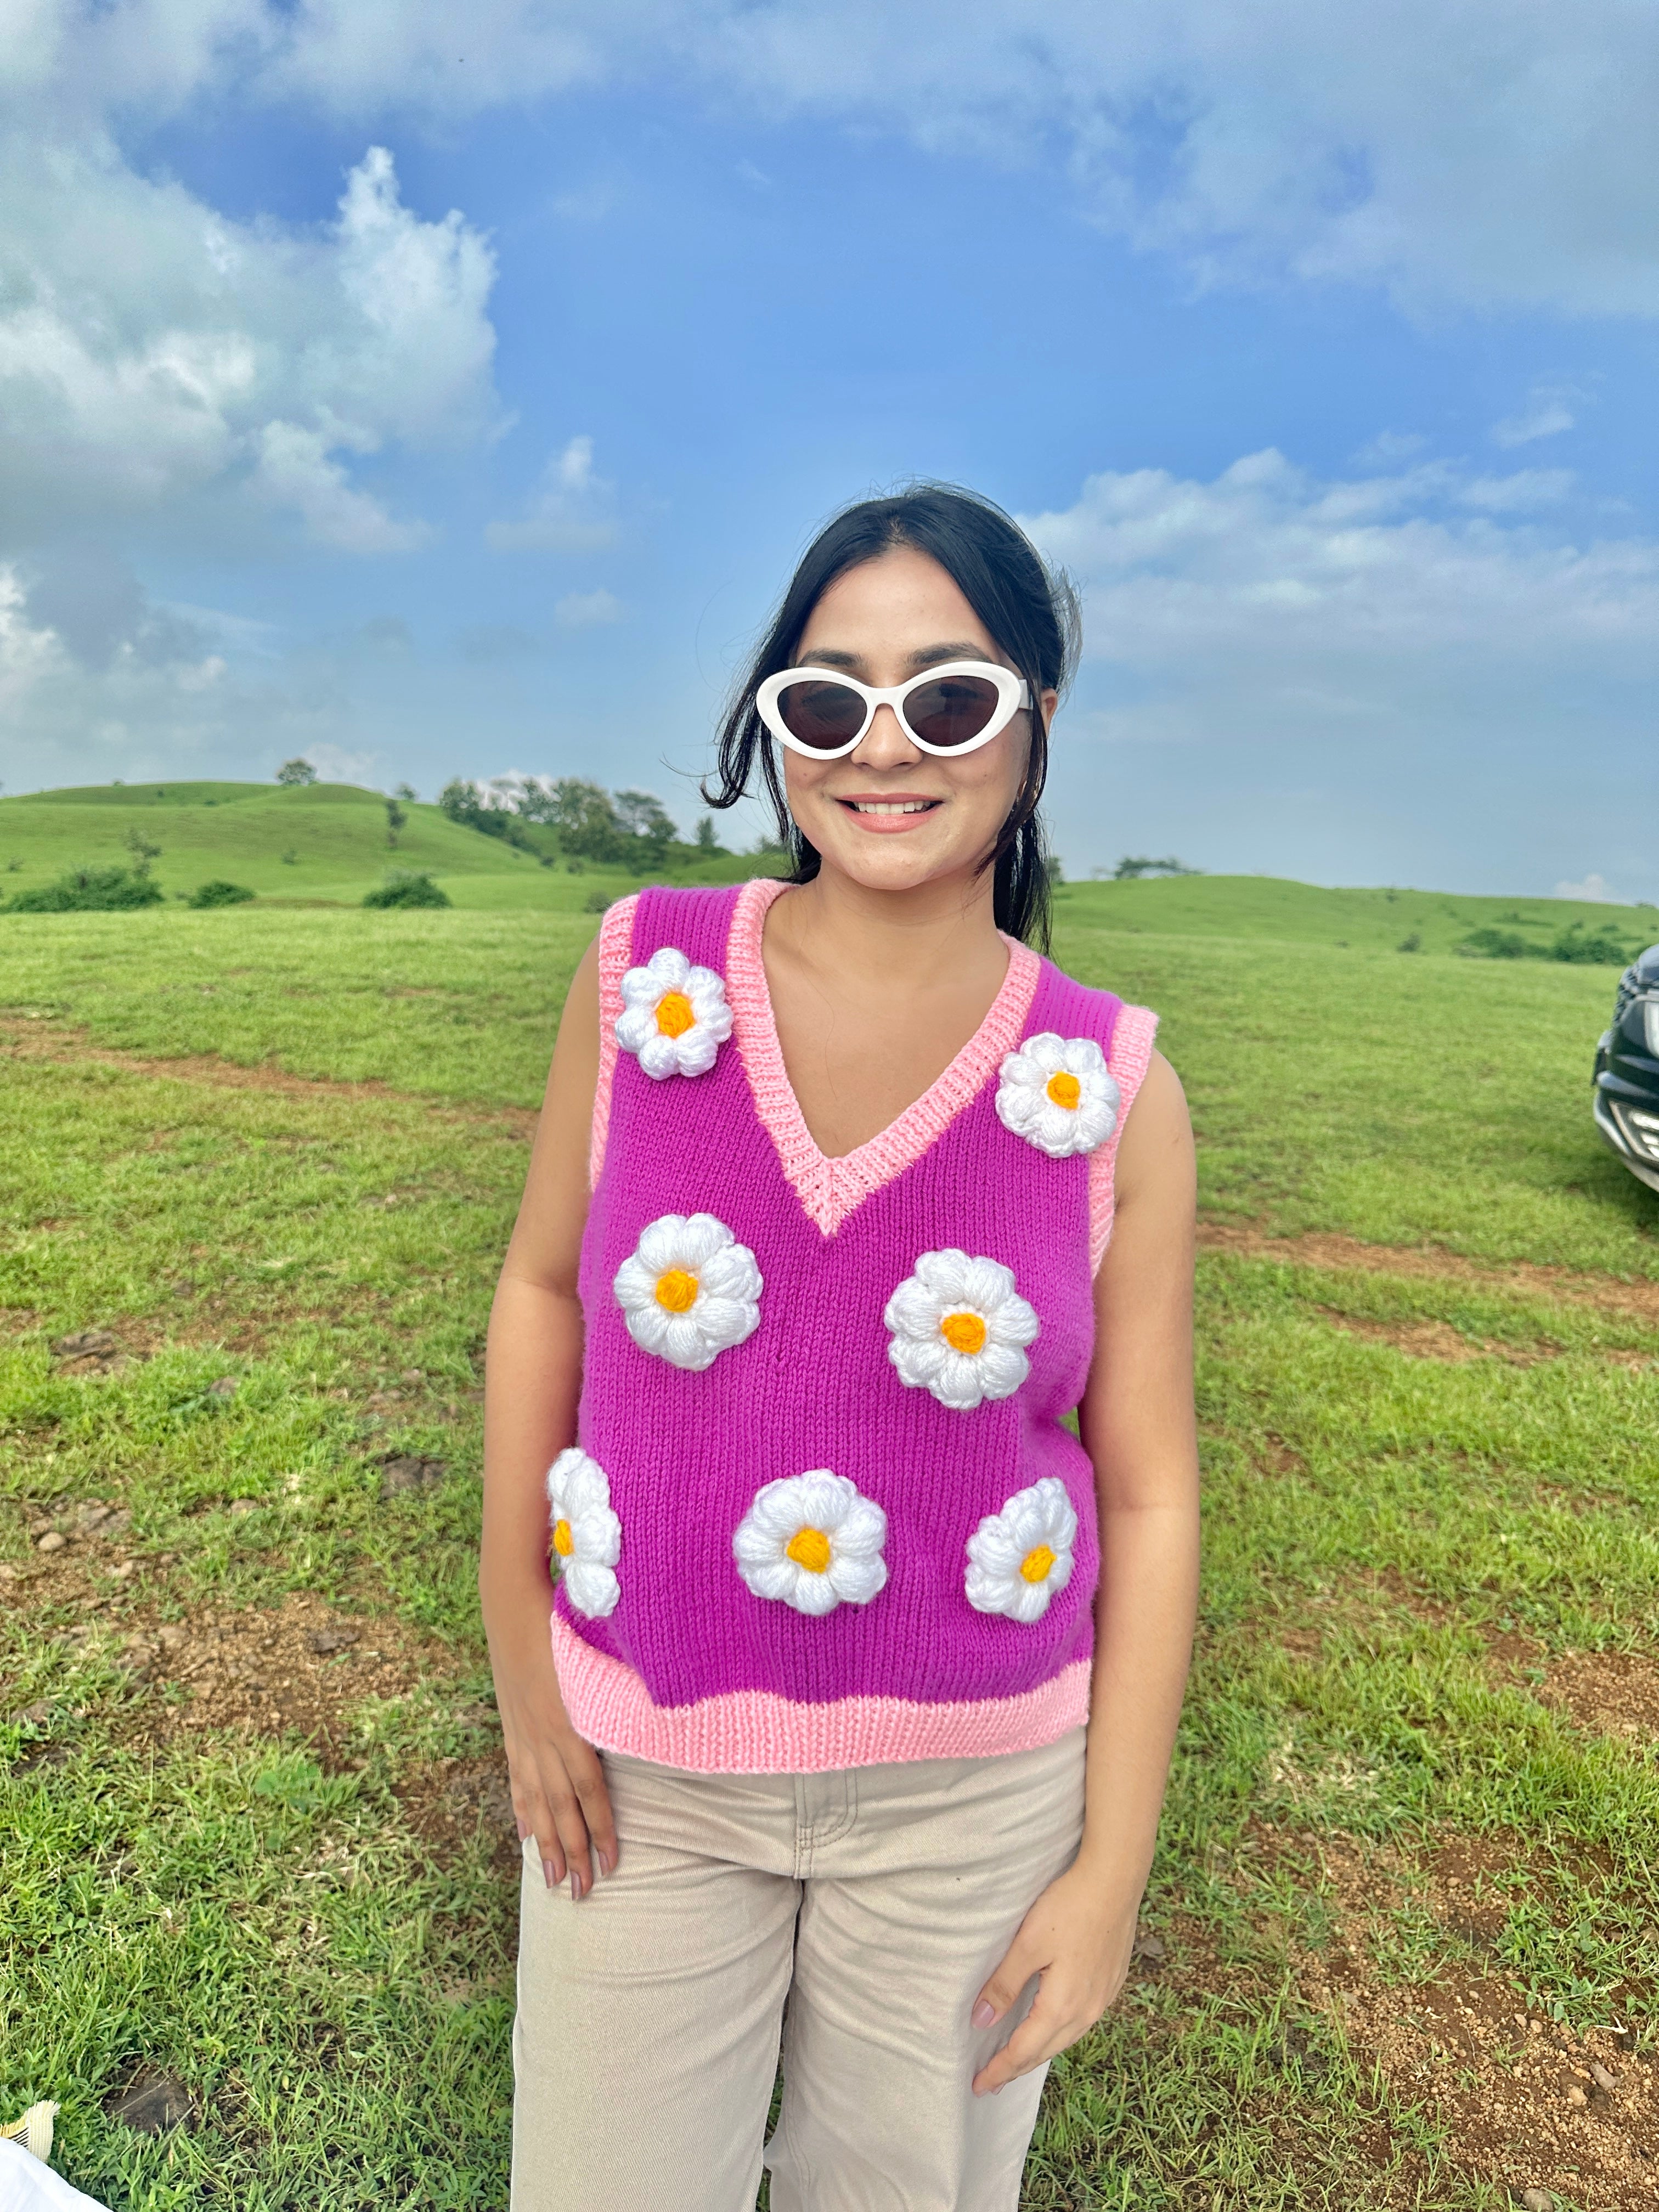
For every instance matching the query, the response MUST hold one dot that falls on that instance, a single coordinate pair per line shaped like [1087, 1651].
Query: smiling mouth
[890, 805]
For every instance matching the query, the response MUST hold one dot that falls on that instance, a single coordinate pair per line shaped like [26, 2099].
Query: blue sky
[440, 391]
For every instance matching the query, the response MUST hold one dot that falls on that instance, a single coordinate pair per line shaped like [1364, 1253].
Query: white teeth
[891, 807]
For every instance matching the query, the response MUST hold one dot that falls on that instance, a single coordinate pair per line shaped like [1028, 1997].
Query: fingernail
[548, 1875]
[575, 1887]
[984, 2012]
[523, 1830]
[605, 1860]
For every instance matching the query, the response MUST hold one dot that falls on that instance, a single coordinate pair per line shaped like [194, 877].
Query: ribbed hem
[756, 1732]
[616, 958]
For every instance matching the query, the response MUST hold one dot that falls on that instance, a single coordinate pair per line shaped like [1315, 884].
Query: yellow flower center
[809, 1549]
[1064, 1090]
[674, 1014]
[564, 1542]
[963, 1331]
[676, 1291]
[1036, 1565]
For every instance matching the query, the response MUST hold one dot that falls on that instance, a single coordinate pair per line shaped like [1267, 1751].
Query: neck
[902, 937]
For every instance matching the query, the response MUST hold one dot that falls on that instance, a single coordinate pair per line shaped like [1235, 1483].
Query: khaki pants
[876, 1901]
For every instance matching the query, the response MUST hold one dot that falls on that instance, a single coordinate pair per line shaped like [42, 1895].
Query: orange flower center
[1064, 1090]
[674, 1014]
[963, 1331]
[809, 1549]
[564, 1542]
[1036, 1565]
[676, 1291]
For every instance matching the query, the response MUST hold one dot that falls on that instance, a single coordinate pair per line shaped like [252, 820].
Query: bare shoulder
[1155, 1153]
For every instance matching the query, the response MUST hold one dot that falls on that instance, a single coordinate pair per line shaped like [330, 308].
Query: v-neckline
[828, 1188]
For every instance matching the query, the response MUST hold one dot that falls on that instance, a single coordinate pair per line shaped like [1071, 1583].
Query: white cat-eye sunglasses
[955, 708]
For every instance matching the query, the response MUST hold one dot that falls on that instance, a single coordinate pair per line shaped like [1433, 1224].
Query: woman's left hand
[1078, 1939]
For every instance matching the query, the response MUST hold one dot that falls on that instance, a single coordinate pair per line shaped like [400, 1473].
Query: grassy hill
[318, 843]
[326, 843]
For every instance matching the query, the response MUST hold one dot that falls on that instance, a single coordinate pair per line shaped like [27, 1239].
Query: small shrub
[404, 890]
[220, 893]
[1413, 943]
[91, 890]
[596, 903]
[1490, 944]
[1602, 947]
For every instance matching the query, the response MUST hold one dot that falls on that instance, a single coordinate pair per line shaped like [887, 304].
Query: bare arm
[532, 1380]
[1138, 1426]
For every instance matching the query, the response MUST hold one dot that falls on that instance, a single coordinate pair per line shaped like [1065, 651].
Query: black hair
[1029, 608]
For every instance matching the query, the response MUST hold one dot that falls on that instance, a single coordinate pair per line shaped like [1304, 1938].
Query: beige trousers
[857, 1915]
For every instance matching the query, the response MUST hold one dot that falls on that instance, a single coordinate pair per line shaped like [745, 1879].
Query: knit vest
[822, 1511]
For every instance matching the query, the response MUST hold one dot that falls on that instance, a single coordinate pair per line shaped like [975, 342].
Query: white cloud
[1499, 153]
[1548, 412]
[570, 511]
[588, 610]
[1268, 602]
[1592, 888]
[334, 764]
[154, 355]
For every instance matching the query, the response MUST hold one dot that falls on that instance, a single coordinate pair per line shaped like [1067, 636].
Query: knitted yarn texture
[826, 1395]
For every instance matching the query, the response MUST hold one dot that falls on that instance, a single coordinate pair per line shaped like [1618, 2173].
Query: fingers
[1019, 1962]
[1033, 2042]
[587, 1779]
[562, 1799]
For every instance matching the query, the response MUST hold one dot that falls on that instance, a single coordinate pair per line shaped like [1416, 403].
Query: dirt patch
[1526, 2103]
[447, 1802]
[1317, 1249]
[1612, 1694]
[300, 1667]
[38, 1041]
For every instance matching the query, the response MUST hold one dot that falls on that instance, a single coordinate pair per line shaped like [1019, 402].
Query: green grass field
[1401, 1947]
[322, 843]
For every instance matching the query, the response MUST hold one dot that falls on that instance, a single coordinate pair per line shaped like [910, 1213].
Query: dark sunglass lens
[820, 713]
[951, 711]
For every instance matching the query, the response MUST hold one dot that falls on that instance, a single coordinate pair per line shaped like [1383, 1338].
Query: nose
[884, 744]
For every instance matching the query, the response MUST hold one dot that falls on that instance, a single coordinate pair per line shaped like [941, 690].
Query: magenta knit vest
[926, 1591]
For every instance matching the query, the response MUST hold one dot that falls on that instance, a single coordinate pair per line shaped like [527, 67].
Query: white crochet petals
[689, 1291]
[1017, 1559]
[674, 1017]
[1056, 1093]
[586, 1534]
[960, 1329]
[812, 1542]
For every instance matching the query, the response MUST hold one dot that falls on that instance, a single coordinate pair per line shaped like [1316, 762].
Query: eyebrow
[926, 656]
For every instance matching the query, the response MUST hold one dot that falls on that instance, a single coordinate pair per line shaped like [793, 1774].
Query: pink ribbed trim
[829, 1190]
[616, 958]
[757, 1732]
[1132, 1048]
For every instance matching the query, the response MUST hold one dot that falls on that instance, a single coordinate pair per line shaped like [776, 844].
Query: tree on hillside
[296, 771]
[1130, 871]
[142, 851]
[706, 842]
[643, 815]
[395, 819]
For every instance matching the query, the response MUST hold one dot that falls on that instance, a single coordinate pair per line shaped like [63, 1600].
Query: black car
[1628, 1071]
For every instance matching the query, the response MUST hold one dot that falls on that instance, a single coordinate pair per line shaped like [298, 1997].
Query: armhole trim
[616, 958]
[1131, 1050]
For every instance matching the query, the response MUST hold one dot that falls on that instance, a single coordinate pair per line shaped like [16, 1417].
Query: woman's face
[889, 815]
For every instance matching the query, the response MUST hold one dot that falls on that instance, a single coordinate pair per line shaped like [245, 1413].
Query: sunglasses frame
[1012, 694]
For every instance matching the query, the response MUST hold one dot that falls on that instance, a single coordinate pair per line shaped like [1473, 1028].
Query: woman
[864, 1673]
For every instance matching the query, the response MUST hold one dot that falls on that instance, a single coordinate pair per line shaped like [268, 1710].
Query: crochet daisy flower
[1056, 1093]
[674, 1016]
[1017, 1559]
[959, 1328]
[810, 1540]
[586, 1534]
[690, 1290]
